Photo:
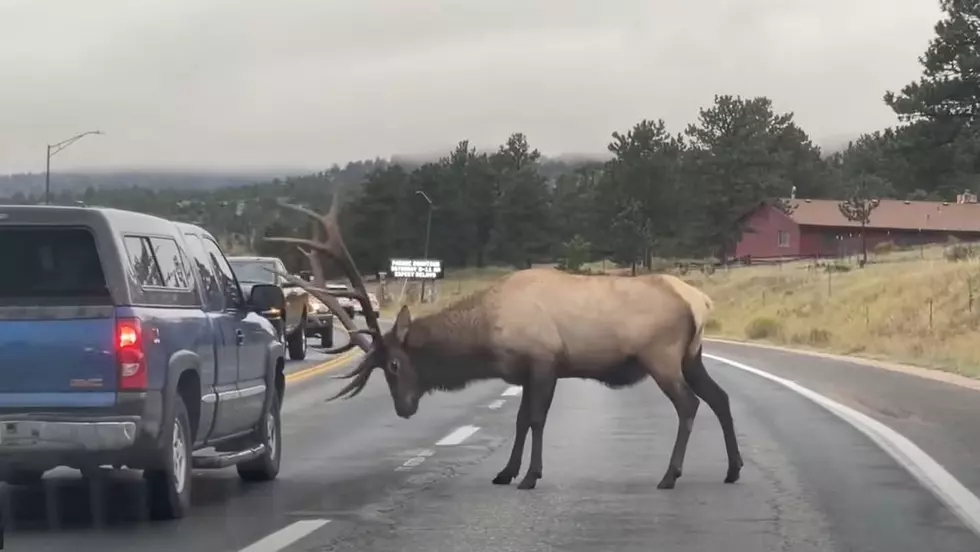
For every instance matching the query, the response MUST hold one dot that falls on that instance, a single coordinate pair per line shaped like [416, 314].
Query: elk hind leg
[513, 467]
[542, 390]
[708, 389]
[667, 373]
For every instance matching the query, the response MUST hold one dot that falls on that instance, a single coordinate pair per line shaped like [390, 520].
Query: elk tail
[699, 305]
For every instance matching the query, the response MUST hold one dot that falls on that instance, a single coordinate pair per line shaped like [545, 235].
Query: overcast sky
[247, 84]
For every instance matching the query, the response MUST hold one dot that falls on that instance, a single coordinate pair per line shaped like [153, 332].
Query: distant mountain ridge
[79, 181]
[26, 184]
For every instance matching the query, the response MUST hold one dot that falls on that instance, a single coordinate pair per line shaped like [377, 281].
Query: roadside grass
[914, 307]
[911, 306]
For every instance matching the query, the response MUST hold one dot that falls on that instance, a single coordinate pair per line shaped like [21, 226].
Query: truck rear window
[50, 265]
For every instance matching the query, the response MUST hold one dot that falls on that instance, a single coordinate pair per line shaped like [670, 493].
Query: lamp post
[53, 150]
[428, 228]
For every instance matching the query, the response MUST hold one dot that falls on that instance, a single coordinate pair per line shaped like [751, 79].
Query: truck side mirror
[268, 300]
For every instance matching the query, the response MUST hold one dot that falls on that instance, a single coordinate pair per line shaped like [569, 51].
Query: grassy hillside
[917, 306]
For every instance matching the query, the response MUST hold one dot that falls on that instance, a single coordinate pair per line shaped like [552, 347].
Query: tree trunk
[633, 267]
[864, 247]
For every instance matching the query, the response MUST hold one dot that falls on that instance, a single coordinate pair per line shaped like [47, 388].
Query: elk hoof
[503, 478]
[734, 470]
[528, 483]
[732, 475]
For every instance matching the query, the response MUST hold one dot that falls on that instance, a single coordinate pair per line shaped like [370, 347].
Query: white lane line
[415, 460]
[496, 404]
[512, 391]
[930, 473]
[459, 435]
[286, 536]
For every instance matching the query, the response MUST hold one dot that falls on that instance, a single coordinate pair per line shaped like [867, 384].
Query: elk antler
[336, 250]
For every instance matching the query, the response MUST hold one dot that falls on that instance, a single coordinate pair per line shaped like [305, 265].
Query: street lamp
[428, 228]
[53, 150]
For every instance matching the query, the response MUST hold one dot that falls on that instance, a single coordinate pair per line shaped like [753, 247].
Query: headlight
[315, 304]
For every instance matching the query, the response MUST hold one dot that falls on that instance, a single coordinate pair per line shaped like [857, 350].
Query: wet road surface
[356, 477]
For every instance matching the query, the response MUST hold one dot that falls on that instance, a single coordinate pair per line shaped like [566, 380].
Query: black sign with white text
[416, 269]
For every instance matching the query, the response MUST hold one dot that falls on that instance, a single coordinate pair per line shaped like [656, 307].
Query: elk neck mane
[452, 348]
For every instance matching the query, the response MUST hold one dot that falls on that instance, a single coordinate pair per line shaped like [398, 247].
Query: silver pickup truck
[256, 270]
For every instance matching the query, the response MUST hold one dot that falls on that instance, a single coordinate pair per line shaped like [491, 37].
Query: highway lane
[939, 417]
[811, 482]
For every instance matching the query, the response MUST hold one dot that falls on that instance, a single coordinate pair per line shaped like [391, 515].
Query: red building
[816, 227]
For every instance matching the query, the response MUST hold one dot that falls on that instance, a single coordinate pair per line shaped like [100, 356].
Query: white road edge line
[930, 473]
[512, 391]
[286, 536]
[459, 435]
[496, 404]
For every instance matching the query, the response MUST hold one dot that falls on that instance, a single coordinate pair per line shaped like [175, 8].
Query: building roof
[892, 214]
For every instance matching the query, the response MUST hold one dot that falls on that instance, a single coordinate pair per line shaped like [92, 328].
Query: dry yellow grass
[912, 306]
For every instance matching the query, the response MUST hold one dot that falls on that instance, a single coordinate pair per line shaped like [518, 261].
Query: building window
[782, 238]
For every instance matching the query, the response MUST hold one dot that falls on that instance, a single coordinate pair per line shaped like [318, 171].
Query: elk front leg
[542, 390]
[513, 467]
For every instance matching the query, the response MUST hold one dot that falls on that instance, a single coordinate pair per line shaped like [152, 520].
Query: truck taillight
[129, 354]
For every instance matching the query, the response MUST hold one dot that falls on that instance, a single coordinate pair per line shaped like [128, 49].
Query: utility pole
[53, 150]
[428, 228]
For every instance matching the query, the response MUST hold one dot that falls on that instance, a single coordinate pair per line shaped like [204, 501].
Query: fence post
[930, 314]
[969, 300]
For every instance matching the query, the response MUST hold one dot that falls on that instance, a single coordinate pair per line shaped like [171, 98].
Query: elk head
[384, 349]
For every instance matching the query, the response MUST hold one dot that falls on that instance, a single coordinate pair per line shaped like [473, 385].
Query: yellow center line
[320, 368]
[323, 367]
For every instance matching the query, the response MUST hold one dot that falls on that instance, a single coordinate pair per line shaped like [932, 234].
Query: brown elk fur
[537, 326]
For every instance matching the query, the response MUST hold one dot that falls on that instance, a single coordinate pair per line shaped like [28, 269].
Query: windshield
[253, 272]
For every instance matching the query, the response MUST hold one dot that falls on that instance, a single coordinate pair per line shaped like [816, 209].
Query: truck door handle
[240, 336]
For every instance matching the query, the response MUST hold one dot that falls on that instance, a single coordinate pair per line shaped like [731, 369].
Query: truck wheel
[265, 467]
[170, 487]
[18, 476]
[297, 343]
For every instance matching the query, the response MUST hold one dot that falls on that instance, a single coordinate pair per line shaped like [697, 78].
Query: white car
[375, 306]
[349, 305]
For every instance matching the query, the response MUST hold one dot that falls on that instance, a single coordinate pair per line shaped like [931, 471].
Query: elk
[531, 329]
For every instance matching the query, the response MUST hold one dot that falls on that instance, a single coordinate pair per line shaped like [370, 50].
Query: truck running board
[223, 460]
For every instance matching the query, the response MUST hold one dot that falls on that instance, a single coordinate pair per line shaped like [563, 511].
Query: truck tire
[297, 343]
[169, 488]
[265, 467]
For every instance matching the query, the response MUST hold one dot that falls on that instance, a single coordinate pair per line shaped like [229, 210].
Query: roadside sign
[416, 269]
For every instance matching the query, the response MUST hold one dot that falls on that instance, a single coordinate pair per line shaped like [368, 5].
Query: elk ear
[402, 322]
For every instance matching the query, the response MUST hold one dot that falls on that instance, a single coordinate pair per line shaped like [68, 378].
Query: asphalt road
[356, 477]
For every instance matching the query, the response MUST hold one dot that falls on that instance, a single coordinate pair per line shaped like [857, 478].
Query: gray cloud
[248, 83]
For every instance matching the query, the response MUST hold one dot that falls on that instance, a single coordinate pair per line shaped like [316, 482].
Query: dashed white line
[930, 473]
[512, 391]
[286, 536]
[415, 460]
[459, 435]
[496, 404]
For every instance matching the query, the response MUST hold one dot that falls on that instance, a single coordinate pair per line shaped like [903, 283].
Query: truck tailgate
[49, 356]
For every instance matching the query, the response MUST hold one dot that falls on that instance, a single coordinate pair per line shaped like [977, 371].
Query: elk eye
[393, 366]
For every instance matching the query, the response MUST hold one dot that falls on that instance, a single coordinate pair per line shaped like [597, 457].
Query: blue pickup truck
[125, 340]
